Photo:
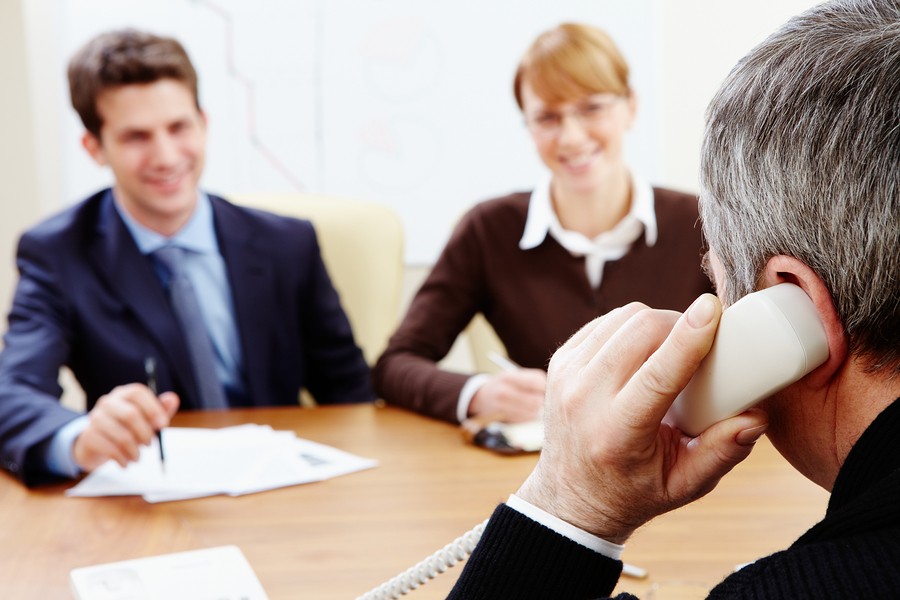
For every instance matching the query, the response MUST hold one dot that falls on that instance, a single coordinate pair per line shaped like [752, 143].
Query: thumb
[170, 402]
[531, 379]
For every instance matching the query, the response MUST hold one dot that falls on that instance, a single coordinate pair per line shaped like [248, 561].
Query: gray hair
[801, 157]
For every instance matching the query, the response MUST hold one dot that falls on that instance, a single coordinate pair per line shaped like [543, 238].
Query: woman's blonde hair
[569, 61]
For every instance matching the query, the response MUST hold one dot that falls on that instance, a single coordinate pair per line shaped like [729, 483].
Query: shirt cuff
[472, 385]
[57, 456]
[579, 536]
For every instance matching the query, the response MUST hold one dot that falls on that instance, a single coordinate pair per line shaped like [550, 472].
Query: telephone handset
[766, 341]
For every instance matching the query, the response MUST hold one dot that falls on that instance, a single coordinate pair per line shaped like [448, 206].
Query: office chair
[362, 246]
[482, 341]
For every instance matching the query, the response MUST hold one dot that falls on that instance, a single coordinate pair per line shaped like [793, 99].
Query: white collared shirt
[608, 246]
[205, 267]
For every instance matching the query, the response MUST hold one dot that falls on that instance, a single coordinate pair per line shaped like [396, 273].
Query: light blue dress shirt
[205, 267]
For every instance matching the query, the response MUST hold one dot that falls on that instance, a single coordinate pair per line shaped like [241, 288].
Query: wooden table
[339, 538]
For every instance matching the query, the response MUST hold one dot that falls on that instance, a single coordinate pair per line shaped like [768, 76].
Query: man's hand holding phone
[609, 463]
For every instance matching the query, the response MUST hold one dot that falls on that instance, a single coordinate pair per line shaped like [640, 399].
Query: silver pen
[150, 371]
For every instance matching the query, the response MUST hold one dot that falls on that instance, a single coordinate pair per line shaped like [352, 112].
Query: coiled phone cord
[431, 567]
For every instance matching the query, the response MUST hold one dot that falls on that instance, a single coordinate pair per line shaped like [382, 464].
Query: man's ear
[94, 147]
[787, 269]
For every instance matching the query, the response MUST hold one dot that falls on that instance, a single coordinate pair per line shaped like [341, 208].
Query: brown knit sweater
[534, 299]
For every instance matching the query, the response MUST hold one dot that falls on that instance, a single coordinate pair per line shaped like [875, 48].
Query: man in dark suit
[97, 293]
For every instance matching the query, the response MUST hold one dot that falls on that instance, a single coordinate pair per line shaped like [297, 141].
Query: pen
[150, 370]
[633, 571]
[502, 362]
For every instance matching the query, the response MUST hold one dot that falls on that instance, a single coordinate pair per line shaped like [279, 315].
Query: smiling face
[153, 138]
[581, 141]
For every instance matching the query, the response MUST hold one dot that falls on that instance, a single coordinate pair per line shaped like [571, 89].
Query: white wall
[404, 103]
[18, 160]
[701, 40]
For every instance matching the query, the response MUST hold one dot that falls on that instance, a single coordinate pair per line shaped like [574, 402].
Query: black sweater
[854, 552]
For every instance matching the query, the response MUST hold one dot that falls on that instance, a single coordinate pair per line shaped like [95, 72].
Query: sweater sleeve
[407, 373]
[520, 558]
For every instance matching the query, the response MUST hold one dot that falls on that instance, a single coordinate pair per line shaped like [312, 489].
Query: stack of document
[222, 573]
[234, 461]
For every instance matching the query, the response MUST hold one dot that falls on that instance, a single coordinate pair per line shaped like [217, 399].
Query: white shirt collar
[542, 219]
[198, 234]
[609, 245]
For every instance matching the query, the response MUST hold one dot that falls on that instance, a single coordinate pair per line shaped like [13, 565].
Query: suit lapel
[251, 277]
[130, 275]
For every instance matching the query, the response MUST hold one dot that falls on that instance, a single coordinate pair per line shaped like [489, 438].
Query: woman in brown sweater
[539, 265]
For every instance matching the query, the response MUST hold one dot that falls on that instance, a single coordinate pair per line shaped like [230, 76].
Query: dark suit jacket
[88, 298]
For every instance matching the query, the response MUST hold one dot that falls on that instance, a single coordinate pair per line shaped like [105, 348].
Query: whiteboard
[403, 102]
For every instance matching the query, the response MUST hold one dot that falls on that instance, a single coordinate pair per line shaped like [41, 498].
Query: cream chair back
[482, 342]
[362, 246]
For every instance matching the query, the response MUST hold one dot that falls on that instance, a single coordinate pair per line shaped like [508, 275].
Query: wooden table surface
[339, 538]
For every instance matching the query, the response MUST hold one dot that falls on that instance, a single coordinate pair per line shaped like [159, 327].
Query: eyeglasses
[592, 110]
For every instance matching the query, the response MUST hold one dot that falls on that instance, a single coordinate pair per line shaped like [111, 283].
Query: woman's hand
[511, 396]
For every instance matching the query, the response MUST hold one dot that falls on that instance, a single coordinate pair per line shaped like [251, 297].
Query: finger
[528, 380]
[530, 399]
[667, 371]
[629, 347]
[530, 408]
[106, 449]
[508, 401]
[617, 315]
[122, 437]
[170, 402]
[514, 396]
[155, 412]
[519, 412]
[714, 453]
[92, 449]
[127, 414]
[108, 439]
[138, 408]
[588, 340]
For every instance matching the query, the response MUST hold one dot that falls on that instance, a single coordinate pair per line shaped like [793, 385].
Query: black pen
[150, 370]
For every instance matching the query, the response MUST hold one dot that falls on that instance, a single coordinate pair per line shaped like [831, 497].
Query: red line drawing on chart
[250, 91]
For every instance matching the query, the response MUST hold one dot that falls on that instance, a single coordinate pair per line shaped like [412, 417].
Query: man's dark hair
[124, 57]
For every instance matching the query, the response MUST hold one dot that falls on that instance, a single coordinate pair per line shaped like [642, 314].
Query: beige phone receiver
[766, 341]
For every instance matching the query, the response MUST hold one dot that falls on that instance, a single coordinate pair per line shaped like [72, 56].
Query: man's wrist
[57, 456]
[555, 501]
[576, 534]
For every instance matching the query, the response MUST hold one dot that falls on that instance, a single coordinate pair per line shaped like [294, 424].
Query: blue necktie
[187, 310]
